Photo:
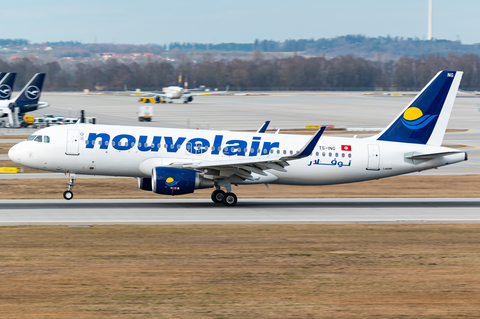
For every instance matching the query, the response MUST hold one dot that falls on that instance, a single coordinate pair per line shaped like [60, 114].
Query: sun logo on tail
[171, 182]
[414, 119]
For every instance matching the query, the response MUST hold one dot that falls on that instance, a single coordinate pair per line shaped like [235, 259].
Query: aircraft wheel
[68, 195]
[230, 199]
[217, 196]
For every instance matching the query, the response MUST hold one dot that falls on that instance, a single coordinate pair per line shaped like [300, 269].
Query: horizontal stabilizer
[414, 156]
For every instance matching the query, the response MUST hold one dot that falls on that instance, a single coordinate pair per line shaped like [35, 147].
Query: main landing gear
[227, 198]
[68, 194]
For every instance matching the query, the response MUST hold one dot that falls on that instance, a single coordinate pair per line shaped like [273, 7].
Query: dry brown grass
[401, 186]
[240, 271]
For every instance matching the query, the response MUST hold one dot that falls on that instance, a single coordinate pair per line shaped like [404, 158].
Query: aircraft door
[373, 157]
[72, 142]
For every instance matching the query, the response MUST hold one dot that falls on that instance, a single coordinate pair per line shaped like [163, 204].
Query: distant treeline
[295, 73]
[358, 45]
[381, 48]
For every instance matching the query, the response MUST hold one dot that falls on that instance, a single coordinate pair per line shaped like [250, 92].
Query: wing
[244, 168]
[209, 93]
[142, 94]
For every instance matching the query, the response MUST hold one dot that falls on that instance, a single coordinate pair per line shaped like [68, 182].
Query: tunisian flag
[346, 147]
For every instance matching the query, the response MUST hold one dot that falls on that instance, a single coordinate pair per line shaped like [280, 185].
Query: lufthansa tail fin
[6, 85]
[425, 119]
[30, 95]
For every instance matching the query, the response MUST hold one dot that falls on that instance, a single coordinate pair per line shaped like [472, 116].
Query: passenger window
[291, 152]
[46, 139]
[316, 154]
[336, 154]
[330, 154]
[323, 154]
[38, 138]
[31, 138]
[349, 155]
[284, 152]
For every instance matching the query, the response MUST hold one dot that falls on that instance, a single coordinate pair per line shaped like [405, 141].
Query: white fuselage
[134, 151]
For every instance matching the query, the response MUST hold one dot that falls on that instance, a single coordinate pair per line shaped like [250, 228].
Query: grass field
[240, 271]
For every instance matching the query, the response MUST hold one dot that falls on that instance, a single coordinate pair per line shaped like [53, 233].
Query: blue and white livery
[178, 161]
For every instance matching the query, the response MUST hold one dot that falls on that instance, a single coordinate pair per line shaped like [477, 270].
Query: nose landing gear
[68, 194]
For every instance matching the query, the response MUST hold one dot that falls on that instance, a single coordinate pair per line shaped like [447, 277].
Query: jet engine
[145, 183]
[177, 181]
[189, 99]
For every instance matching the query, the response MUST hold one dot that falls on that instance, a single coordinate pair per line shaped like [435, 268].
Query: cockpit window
[38, 138]
[31, 137]
[46, 139]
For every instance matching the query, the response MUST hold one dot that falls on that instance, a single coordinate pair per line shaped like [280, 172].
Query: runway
[248, 211]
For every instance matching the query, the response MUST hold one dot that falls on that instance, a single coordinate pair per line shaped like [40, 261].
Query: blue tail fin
[30, 95]
[6, 85]
[425, 119]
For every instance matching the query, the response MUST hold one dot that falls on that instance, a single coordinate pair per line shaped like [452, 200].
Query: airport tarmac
[85, 212]
[286, 111]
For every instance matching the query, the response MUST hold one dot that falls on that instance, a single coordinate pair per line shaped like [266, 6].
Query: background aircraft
[27, 100]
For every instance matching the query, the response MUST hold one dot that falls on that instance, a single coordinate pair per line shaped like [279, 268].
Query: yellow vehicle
[29, 119]
[149, 100]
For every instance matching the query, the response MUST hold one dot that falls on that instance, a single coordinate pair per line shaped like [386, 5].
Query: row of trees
[294, 73]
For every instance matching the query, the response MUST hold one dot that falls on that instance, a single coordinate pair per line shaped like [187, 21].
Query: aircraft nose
[15, 153]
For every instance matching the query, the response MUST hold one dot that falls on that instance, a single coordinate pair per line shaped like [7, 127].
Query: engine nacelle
[145, 183]
[177, 181]
[189, 99]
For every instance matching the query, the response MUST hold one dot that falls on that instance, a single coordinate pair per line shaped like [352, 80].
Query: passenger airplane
[27, 100]
[171, 93]
[6, 85]
[178, 161]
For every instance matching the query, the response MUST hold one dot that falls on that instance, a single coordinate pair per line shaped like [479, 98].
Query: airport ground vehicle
[70, 120]
[145, 113]
[149, 100]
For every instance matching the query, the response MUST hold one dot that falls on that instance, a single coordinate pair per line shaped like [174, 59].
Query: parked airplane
[178, 161]
[27, 100]
[6, 85]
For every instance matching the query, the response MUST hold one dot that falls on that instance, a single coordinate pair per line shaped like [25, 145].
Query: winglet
[308, 148]
[263, 128]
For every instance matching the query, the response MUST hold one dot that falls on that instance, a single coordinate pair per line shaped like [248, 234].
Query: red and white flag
[346, 147]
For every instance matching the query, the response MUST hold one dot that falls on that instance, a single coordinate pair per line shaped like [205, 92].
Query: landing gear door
[373, 157]
[72, 142]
